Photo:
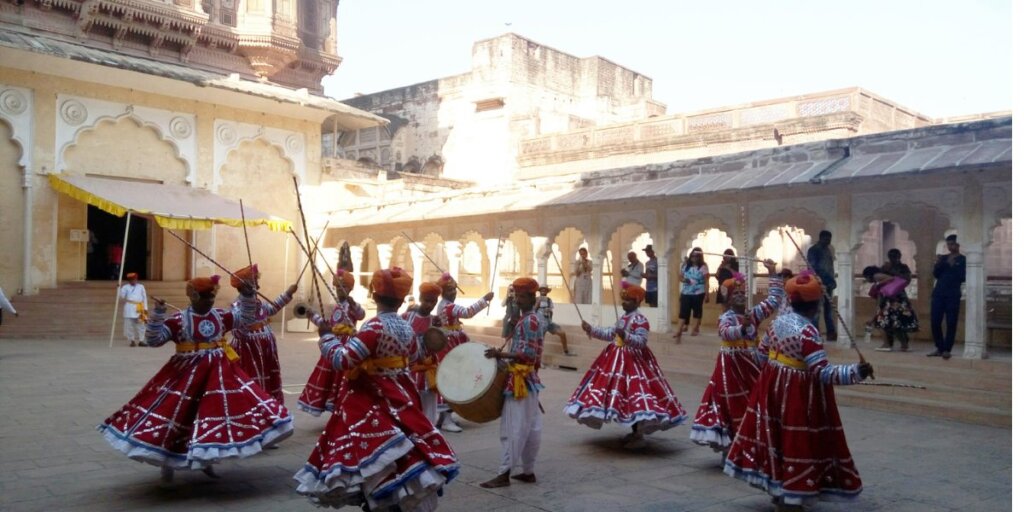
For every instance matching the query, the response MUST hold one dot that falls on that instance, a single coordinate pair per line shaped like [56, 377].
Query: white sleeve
[6, 304]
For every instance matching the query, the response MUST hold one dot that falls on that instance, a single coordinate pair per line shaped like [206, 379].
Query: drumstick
[494, 269]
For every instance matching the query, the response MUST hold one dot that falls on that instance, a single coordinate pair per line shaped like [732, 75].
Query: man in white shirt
[633, 273]
[136, 307]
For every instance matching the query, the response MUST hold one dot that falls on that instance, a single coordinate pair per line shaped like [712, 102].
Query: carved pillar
[542, 251]
[845, 303]
[844, 296]
[357, 266]
[417, 271]
[975, 327]
[597, 304]
[662, 318]
[384, 252]
[453, 249]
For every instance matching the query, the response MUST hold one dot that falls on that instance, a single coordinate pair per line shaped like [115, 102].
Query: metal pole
[120, 274]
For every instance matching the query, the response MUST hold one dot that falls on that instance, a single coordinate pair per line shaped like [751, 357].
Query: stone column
[541, 253]
[662, 319]
[357, 265]
[975, 319]
[384, 252]
[453, 249]
[598, 258]
[417, 271]
[844, 297]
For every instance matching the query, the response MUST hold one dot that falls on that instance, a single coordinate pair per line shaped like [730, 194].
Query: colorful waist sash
[786, 360]
[184, 348]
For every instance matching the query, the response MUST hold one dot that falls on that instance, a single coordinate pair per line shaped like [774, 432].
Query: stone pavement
[54, 392]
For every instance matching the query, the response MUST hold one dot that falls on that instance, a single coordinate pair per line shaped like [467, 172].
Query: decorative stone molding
[866, 207]
[610, 222]
[996, 204]
[683, 222]
[228, 135]
[79, 114]
[16, 109]
[812, 214]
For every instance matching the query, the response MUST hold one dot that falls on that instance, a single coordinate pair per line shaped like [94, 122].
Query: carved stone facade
[289, 42]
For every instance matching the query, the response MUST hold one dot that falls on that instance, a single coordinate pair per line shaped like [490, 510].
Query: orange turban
[525, 284]
[345, 279]
[131, 275]
[735, 284]
[430, 290]
[634, 292]
[393, 282]
[248, 273]
[805, 287]
[203, 285]
[446, 280]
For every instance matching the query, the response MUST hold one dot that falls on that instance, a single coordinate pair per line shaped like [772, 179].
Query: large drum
[471, 384]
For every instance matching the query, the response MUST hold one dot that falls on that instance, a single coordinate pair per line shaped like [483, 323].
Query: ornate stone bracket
[228, 135]
[76, 114]
[16, 109]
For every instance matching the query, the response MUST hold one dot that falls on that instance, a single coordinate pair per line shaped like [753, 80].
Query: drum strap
[192, 347]
[428, 367]
[376, 365]
[519, 373]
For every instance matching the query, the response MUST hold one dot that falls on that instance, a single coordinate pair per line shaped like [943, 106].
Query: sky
[941, 58]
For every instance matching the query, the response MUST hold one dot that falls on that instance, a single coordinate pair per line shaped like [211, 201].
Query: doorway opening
[106, 234]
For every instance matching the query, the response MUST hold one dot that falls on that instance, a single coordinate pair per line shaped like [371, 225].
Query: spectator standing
[511, 313]
[134, 310]
[728, 268]
[693, 285]
[821, 257]
[895, 315]
[583, 284]
[633, 272]
[651, 275]
[950, 271]
[546, 309]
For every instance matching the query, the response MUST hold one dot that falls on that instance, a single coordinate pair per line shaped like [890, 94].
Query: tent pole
[120, 274]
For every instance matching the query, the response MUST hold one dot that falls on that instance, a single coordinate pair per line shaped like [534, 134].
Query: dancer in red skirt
[450, 316]
[378, 450]
[255, 343]
[791, 442]
[736, 368]
[200, 407]
[625, 384]
[322, 386]
[424, 363]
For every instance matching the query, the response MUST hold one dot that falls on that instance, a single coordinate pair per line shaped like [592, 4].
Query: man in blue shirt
[822, 260]
[651, 277]
[950, 271]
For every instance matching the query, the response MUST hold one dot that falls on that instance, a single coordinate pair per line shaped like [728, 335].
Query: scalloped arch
[694, 226]
[903, 214]
[141, 123]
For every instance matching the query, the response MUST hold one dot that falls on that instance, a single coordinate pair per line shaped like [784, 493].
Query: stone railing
[879, 113]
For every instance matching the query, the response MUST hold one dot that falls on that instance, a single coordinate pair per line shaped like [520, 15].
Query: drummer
[450, 315]
[520, 415]
[424, 363]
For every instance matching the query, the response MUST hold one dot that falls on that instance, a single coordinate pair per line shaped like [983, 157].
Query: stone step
[957, 411]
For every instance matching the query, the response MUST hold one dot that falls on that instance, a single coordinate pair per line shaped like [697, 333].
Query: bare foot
[695, 332]
[528, 478]
[498, 481]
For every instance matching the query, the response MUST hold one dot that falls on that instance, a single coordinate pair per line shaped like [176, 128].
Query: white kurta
[133, 294]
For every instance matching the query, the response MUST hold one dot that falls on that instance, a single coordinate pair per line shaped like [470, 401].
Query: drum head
[434, 340]
[465, 374]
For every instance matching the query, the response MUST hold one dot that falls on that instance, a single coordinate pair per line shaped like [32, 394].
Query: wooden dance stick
[305, 230]
[611, 283]
[494, 274]
[315, 273]
[431, 260]
[165, 303]
[572, 297]
[248, 251]
[828, 301]
[222, 267]
[317, 243]
[891, 385]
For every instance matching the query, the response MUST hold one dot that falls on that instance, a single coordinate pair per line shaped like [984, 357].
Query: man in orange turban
[796, 376]
[424, 364]
[628, 371]
[202, 291]
[450, 315]
[392, 283]
[136, 307]
[344, 282]
[255, 343]
[520, 414]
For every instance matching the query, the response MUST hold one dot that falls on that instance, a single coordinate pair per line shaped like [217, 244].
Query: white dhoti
[520, 433]
[134, 329]
[428, 401]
